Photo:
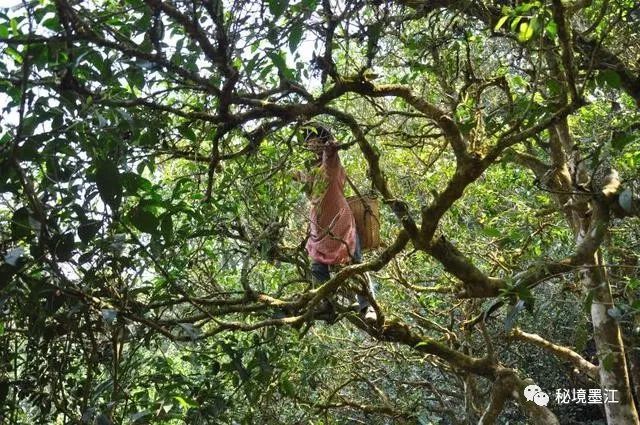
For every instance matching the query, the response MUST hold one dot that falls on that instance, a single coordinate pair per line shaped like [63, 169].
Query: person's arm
[330, 156]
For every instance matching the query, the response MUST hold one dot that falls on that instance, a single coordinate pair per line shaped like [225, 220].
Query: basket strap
[359, 195]
[353, 186]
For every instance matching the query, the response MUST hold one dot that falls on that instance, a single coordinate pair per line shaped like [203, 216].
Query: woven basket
[367, 214]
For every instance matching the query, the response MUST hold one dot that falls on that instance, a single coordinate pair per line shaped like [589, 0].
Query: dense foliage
[152, 232]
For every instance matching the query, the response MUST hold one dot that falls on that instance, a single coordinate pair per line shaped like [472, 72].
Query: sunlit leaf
[501, 22]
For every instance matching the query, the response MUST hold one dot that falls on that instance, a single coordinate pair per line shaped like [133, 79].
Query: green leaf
[56, 171]
[17, 57]
[20, 226]
[525, 7]
[621, 140]
[555, 88]
[295, 36]
[501, 22]
[588, 301]
[310, 4]
[4, 31]
[279, 61]
[63, 245]
[551, 29]
[526, 32]
[135, 77]
[5, 139]
[88, 229]
[610, 78]
[515, 22]
[491, 232]
[526, 296]
[277, 7]
[518, 81]
[135, 183]
[185, 403]
[534, 24]
[144, 220]
[287, 387]
[422, 344]
[109, 184]
[14, 27]
[166, 227]
[187, 133]
[148, 139]
[607, 361]
[581, 337]
[52, 23]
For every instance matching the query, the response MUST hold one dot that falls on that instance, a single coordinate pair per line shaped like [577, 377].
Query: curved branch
[565, 353]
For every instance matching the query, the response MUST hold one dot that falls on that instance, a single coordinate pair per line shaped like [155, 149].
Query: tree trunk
[507, 386]
[611, 354]
[633, 357]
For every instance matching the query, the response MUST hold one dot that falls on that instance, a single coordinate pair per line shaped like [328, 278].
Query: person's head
[316, 135]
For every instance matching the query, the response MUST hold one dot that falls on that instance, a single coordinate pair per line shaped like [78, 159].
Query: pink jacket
[332, 238]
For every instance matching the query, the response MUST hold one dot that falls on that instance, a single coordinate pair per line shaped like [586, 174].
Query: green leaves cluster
[528, 19]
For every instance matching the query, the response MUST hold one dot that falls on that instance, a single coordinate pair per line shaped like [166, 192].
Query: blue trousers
[320, 273]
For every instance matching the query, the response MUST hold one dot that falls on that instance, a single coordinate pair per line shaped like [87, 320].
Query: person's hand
[317, 145]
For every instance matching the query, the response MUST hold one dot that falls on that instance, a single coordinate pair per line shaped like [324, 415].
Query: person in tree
[333, 238]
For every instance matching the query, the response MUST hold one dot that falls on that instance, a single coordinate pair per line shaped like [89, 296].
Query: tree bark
[509, 385]
[633, 356]
[613, 370]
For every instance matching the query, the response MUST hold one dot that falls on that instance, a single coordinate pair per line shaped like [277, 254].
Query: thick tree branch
[565, 353]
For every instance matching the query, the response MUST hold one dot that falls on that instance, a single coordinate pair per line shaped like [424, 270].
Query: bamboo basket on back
[366, 211]
[367, 214]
